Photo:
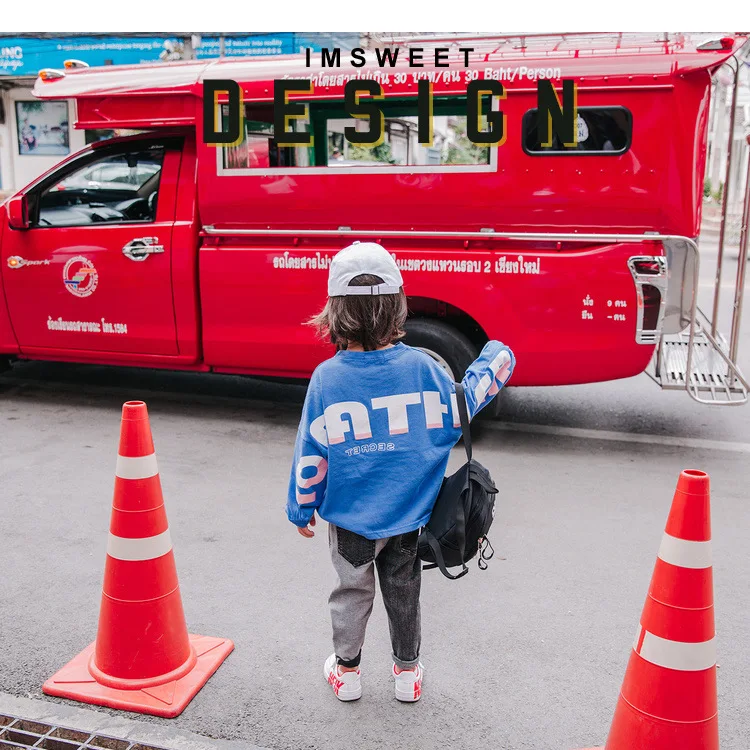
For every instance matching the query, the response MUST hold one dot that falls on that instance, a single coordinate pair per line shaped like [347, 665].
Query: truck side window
[327, 121]
[120, 188]
[602, 131]
[258, 148]
[400, 147]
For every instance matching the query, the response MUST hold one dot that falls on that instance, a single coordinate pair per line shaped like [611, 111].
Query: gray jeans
[400, 572]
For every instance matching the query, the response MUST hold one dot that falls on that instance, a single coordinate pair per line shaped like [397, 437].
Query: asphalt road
[529, 654]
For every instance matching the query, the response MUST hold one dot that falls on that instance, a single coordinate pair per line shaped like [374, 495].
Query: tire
[451, 349]
[447, 346]
[4, 364]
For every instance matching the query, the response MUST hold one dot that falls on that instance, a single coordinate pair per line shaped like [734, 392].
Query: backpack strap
[483, 556]
[439, 559]
[463, 413]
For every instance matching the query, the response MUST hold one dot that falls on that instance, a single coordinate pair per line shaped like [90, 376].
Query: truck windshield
[117, 188]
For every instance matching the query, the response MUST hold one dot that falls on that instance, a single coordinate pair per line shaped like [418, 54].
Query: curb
[114, 725]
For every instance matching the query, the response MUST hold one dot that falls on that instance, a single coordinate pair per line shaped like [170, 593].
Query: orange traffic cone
[668, 698]
[143, 659]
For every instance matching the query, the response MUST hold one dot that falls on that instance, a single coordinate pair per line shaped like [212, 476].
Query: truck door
[92, 272]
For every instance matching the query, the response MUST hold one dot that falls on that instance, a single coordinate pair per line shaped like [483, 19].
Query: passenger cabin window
[327, 121]
[258, 149]
[116, 189]
[604, 131]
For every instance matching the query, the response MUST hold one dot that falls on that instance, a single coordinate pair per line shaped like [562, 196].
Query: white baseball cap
[360, 258]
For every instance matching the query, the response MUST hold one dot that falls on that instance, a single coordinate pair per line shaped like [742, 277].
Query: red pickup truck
[159, 250]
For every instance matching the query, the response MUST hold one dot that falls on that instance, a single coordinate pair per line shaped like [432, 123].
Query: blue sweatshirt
[376, 432]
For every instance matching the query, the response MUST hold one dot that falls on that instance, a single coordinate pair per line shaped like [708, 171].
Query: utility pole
[190, 44]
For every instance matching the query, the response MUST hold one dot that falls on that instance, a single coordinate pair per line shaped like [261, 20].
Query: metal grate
[22, 733]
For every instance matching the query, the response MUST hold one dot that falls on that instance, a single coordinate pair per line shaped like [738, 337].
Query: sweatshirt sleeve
[307, 483]
[487, 375]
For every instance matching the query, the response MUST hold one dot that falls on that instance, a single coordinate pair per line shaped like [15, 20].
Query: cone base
[75, 682]
[633, 728]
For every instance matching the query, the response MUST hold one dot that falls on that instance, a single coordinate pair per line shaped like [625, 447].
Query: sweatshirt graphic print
[376, 432]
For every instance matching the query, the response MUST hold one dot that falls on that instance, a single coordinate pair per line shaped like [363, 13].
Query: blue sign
[26, 56]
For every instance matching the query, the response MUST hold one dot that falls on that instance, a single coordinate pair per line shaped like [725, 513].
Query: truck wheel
[447, 346]
[4, 364]
[450, 349]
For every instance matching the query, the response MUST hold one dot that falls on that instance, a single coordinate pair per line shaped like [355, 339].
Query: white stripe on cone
[678, 655]
[138, 467]
[148, 548]
[685, 553]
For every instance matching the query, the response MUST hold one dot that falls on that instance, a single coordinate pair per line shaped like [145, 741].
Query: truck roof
[578, 55]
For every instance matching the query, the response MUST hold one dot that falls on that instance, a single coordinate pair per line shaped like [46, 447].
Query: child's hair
[373, 321]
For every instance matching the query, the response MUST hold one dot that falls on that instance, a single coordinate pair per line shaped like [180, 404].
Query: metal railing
[558, 44]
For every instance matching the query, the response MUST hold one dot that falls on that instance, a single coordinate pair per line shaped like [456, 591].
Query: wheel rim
[440, 360]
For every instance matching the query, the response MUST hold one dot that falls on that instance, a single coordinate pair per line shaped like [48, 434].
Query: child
[378, 425]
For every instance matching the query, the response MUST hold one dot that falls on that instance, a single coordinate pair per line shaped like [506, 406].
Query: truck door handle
[141, 247]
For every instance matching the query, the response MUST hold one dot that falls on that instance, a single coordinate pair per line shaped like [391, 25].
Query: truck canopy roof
[585, 57]
[653, 183]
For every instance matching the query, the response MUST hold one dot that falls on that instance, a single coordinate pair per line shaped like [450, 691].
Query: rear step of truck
[713, 377]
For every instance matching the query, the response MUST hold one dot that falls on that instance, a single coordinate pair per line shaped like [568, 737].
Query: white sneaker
[346, 685]
[409, 684]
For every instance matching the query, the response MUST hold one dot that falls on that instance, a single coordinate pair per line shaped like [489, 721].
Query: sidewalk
[711, 224]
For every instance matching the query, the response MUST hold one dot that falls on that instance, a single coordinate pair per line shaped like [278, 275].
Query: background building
[35, 135]
[718, 149]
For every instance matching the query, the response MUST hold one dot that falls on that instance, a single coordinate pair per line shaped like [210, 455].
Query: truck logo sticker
[16, 261]
[80, 276]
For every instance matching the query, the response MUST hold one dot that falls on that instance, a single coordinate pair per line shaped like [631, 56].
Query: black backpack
[463, 513]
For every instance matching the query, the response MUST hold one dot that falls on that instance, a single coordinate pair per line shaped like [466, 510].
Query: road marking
[621, 437]
[292, 408]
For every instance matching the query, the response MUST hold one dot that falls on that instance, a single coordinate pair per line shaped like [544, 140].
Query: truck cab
[107, 245]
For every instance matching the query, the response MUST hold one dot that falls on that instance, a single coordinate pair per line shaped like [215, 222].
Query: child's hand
[307, 531]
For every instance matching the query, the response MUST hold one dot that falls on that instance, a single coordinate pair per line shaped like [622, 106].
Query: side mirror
[18, 212]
